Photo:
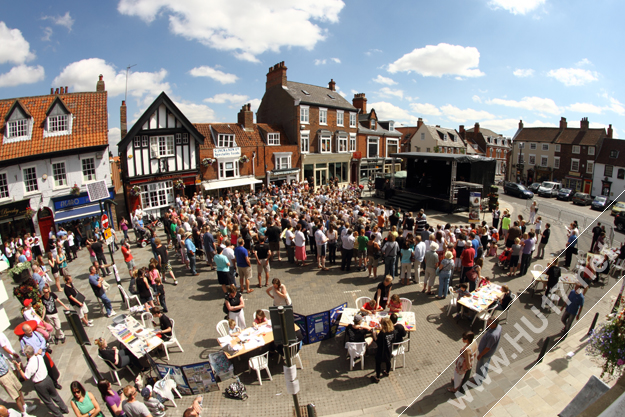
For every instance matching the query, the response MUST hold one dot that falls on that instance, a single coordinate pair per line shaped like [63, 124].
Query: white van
[549, 189]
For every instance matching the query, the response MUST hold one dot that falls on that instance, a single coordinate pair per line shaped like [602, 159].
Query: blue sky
[449, 62]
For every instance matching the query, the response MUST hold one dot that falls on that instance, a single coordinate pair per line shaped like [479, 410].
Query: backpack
[472, 275]
[236, 390]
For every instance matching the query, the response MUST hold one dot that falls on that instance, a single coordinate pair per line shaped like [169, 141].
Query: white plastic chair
[453, 300]
[355, 351]
[484, 315]
[223, 328]
[114, 370]
[294, 349]
[538, 267]
[147, 317]
[406, 304]
[617, 266]
[399, 349]
[361, 301]
[508, 309]
[165, 386]
[128, 297]
[172, 341]
[259, 363]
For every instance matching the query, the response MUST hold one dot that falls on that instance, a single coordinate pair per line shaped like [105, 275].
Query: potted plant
[436, 149]
[179, 184]
[29, 290]
[135, 191]
[29, 214]
[207, 161]
[244, 158]
[20, 271]
[75, 190]
[607, 345]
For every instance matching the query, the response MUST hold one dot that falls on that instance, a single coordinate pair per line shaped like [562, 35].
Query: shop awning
[77, 213]
[233, 182]
[285, 171]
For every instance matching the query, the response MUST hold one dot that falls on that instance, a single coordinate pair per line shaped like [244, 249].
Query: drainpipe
[254, 164]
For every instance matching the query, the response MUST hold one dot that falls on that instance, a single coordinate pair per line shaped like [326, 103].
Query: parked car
[619, 222]
[566, 194]
[583, 199]
[549, 189]
[517, 190]
[618, 207]
[534, 187]
[599, 203]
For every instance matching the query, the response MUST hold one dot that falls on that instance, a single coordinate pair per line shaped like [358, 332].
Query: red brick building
[489, 144]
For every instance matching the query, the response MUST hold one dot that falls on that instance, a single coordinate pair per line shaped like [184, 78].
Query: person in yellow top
[505, 225]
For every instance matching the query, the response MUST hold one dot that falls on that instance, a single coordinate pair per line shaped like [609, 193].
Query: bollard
[312, 411]
[594, 323]
[543, 350]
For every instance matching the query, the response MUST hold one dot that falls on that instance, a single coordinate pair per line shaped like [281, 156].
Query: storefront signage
[227, 152]
[17, 209]
[74, 201]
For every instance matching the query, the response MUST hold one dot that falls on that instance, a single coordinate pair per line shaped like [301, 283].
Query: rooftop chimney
[65, 89]
[56, 91]
[100, 85]
[332, 85]
[246, 117]
[583, 125]
[51, 90]
[563, 123]
[610, 132]
[123, 119]
[419, 123]
[360, 102]
[276, 75]
[461, 130]
[520, 124]
[476, 129]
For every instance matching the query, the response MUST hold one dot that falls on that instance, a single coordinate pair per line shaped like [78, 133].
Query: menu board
[176, 374]
[335, 315]
[200, 378]
[318, 326]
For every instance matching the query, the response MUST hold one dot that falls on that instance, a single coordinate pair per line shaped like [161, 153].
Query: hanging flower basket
[29, 213]
[29, 289]
[244, 158]
[75, 190]
[135, 191]
[18, 269]
[179, 184]
[607, 345]
[207, 161]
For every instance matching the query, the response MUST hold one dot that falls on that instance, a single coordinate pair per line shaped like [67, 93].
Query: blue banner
[335, 315]
[62, 203]
[318, 326]
[300, 320]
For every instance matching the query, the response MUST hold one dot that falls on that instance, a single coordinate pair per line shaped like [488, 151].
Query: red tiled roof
[612, 145]
[89, 125]
[242, 137]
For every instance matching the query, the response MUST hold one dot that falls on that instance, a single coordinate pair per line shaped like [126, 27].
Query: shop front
[71, 211]
[13, 220]
[578, 184]
[280, 176]
[155, 194]
[321, 169]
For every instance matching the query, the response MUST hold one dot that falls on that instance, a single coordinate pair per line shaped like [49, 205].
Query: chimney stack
[51, 90]
[246, 117]
[100, 85]
[419, 123]
[584, 124]
[520, 124]
[610, 132]
[461, 131]
[563, 123]
[476, 128]
[65, 89]
[123, 124]
[360, 102]
[276, 75]
[332, 85]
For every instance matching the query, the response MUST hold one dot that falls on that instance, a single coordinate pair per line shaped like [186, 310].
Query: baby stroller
[504, 258]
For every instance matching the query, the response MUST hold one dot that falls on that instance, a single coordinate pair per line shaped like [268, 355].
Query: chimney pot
[245, 117]
[56, 91]
[360, 102]
[51, 90]
[65, 89]
[332, 85]
[520, 124]
[100, 84]
[610, 132]
[276, 76]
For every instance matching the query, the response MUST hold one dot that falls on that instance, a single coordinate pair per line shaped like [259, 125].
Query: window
[391, 126]
[58, 123]
[59, 174]
[417, 149]
[225, 141]
[273, 138]
[352, 119]
[532, 146]
[621, 174]
[303, 114]
[228, 169]
[341, 143]
[340, 114]
[162, 146]
[613, 154]
[498, 153]
[544, 161]
[160, 194]
[373, 124]
[545, 146]
[88, 169]
[17, 128]
[30, 179]
[178, 138]
[137, 142]
[185, 138]
[305, 142]
[444, 136]
[372, 147]
[590, 165]
[323, 116]
[556, 162]
[532, 160]
[283, 162]
[575, 165]
[4, 186]
[422, 136]
[591, 150]
[392, 146]
[608, 170]
[352, 142]
[144, 141]
[576, 149]
[557, 147]
[325, 140]
[338, 170]
[427, 149]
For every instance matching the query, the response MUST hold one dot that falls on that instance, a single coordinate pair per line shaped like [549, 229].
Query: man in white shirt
[321, 240]
[36, 371]
[419, 254]
[228, 252]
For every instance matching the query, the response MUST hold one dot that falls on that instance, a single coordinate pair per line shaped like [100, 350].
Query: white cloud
[115, 136]
[247, 28]
[215, 74]
[389, 92]
[425, 108]
[47, 34]
[539, 123]
[226, 98]
[196, 113]
[384, 80]
[336, 60]
[320, 61]
[462, 115]
[516, 6]
[22, 74]
[584, 61]
[82, 76]
[13, 47]
[584, 108]
[537, 104]
[353, 91]
[439, 60]
[523, 73]
[476, 98]
[388, 111]
[255, 102]
[500, 125]
[616, 106]
[573, 76]
[65, 20]
[372, 51]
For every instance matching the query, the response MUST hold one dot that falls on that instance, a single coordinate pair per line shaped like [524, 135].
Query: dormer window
[58, 120]
[225, 141]
[58, 123]
[17, 128]
[18, 124]
[373, 124]
[391, 126]
[273, 138]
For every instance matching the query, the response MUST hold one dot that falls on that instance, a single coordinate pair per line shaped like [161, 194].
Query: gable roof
[612, 145]
[438, 133]
[537, 134]
[577, 136]
[161, 99]
[242, 137]
[318, 96]
[381, 126]
[89, 126]
[486, 132]
[58, 100]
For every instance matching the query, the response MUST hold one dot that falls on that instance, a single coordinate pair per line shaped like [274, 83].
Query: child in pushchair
[504, 258]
